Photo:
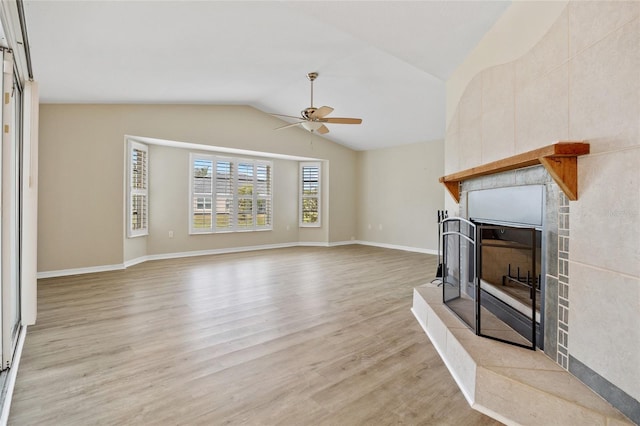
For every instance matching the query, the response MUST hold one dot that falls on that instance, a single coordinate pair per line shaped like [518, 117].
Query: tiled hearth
[513, 385]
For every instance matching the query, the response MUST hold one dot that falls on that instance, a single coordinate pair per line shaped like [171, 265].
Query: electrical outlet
[170, 234]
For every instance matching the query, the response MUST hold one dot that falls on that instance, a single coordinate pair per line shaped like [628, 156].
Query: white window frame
[133, 191]
[302, 197]
[235, 197]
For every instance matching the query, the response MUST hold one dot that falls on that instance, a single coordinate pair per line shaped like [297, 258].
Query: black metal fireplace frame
[457, 230]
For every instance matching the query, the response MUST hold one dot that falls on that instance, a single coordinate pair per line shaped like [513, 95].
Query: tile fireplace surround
[574, 77]
[511, 384]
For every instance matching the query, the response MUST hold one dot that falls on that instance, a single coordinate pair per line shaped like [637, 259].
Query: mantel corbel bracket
[559, 159]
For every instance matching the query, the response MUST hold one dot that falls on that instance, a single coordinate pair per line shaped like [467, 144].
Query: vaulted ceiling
[383, 61]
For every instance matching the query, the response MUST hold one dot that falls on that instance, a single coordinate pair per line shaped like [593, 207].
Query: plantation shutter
[202, 194]
[224, 195]
[229, 194]
[310, 194]
[263, 195]
[138, 205]
[245, 216]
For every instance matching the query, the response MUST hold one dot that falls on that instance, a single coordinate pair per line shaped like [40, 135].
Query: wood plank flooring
[300, 336]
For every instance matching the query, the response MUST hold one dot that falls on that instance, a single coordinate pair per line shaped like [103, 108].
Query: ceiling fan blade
[322, 130]
[322, 111]
[341, 120]
[286, 126]
[284, 115]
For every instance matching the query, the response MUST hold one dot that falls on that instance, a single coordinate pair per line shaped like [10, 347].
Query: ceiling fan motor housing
[308, 112]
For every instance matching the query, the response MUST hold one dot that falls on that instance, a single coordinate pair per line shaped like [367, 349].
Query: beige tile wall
[581, 81]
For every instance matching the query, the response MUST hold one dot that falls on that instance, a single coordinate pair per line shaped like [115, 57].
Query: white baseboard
[343, 243]
[312, 244]
[217, 251]
[398, 247]
[133, 262]
[176, 255]
[80, 271]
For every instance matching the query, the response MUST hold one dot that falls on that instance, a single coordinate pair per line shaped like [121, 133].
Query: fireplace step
[513, 385]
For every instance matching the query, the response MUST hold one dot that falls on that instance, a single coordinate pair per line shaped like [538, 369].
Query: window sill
[236, 231]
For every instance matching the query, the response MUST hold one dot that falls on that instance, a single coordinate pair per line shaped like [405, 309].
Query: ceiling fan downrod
[312, 76]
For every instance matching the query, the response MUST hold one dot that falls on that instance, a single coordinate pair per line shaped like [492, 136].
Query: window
[138, 194]
[310, 194]
[229, 194]
[263, 194]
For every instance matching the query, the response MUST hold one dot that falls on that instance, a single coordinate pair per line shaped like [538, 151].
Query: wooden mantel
[560, 160]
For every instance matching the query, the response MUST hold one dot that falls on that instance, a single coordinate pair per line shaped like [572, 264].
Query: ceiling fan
[313, 119]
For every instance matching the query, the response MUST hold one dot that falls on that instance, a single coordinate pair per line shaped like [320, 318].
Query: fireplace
[509, 254]
[509, 285]
[491, 280]
[501, 256]
[502, 380]
[555, 168]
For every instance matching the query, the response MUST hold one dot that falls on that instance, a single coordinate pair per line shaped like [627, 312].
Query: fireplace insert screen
[491, 279]
[459, 270]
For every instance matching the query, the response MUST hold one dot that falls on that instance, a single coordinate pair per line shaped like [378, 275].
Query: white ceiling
[383, 61]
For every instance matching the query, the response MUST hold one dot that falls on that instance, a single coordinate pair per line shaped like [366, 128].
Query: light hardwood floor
[301, 336]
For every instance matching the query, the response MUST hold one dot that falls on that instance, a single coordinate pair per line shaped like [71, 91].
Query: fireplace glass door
[509, 283]
[491, 279]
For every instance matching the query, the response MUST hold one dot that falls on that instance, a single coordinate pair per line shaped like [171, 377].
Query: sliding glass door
[10, 214]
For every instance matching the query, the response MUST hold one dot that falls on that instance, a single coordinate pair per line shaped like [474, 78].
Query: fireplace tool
[442, 215]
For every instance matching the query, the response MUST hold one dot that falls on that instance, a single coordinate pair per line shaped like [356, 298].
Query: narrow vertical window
[245, 196]
[138, 194]
[202, 194]
[310, 194]
[224, 195]
[263, 195]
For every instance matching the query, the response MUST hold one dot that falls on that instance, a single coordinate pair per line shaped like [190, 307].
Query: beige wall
[399, 195]
[580, 81]
[80, 197]
[168, 195]
[92, 235]
[81, 200]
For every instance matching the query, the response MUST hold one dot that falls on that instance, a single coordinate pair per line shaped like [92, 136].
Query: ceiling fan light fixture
[311, 125]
